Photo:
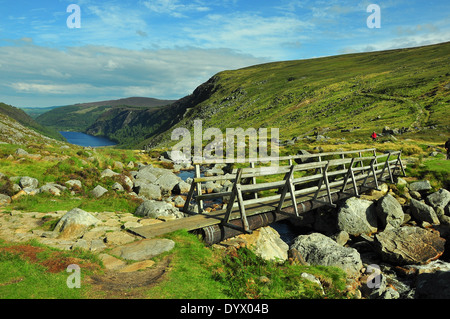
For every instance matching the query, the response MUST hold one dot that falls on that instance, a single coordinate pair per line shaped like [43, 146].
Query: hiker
[374, 136]
[447, 147]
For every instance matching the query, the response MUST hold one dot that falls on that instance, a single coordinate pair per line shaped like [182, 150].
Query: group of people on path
[447, 144]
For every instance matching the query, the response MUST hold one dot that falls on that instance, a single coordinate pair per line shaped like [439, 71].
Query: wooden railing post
[237, 192]
[288, 186]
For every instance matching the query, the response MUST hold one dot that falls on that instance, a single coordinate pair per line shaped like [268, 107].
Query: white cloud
[174, 8]
[86, 73]
[22, 87]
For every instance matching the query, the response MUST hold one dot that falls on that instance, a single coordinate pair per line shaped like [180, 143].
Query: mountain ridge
[78, 117]
[347, 95]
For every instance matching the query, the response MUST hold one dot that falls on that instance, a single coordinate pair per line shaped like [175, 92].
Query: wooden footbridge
[259, 195]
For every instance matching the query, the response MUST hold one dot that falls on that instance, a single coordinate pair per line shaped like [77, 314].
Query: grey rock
[108, 173]
[357, 216]
[117, 187]
[28, 182]
[145, 175]
[318, 249]
[144, 249]
[99, 191]
[21, 152]
[409, 245]
[420, 186]
[50, 188]
[73, 182]
[75, 222]
[4, 199]
[97, 245]
[181, 188]
[149, 191]
[167, 182]
[423, 213]
[179, 201]
[176, 157]
[439, 199]
[269, 246]
[155, 209]
[389, 211]
[341, 238]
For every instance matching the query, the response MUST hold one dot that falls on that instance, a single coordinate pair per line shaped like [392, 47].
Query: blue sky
[166, 48]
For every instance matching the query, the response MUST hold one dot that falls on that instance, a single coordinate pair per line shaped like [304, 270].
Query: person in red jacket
[374, 136]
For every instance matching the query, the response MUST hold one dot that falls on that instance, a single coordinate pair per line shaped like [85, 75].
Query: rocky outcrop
[441, 198]
[318, 249]
[390, 212]
[157, 209]
[266, 243]
[357, 216]
[74, 223]
[409, 245]
[423, 213]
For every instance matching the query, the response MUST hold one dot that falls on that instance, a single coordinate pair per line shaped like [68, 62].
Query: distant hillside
[79, 117]
[34, 112]
[346, 96]
[23, 118]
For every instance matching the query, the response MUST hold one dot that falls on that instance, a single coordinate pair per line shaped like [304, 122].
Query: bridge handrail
[279, 158]
[286, 186]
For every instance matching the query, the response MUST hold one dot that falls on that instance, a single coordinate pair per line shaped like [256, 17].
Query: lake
[82, 139]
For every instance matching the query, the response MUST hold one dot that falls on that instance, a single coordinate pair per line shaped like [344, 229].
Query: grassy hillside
[355, 93]
[24, 119]
[34, 112]
[79, 117]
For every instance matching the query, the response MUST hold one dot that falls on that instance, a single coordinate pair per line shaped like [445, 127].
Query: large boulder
[357, 216]
[74, 223]
[318, 249]
[149, 191]
[267, 244]
[420, 186]
[167, 182]
[155, 209]
[145, 174]
[423, 213]
[409, 245]
[389, 211]
[439, 199]
[164, 178]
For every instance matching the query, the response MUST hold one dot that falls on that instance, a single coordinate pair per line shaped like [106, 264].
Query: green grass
[33, 271]
[47, 203]
[242, 273]
[201, 272]
[435, 169]
[190, 274]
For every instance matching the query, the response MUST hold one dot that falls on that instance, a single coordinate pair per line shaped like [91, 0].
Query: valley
[319, 105]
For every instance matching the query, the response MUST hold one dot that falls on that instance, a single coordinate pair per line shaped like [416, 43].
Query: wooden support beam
[288, 186]
[237, 193]
[199, 188]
